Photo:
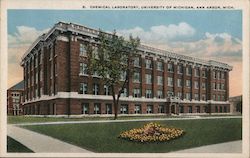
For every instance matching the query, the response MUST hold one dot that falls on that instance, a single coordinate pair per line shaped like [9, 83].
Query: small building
[15, 99]
[236, 104]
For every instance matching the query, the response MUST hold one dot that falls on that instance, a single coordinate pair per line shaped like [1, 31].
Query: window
[179, 94]
[161, 109]
[124, 109]
[214, 75]
[149, 109]
[124, 93]
[83, 51]
[97, 108]
[136, 77]
[196, 96]
[106, 90]
[96, 89]
[198, 109]
[136, 62]
[218, 97]
[218, 86]
[188, 70]
[190, 110]
[85, 108]
[148, 64]
[204, 73]
[181, 109]
[180, 69]
[83, 88]
[196, 84]
[159, 66]
[218, 75]
[148, 93]
[222, 75]
[137, 109]
[136, 93]
[222, 98]
[188, 96]
[179, 82]
[216, 108]
[214, 97]
[170, 67]
[159, 94]
[108, 108]
[203, 97]
[225, 109]
[197, 72]
[170, 81]
[36, 77]
[214, 86]
[83, 69]
[222, 86]
[148, 79]
[205, 109]
[220, 109]
[170, 93]
[203, 85]
[159, 80]
[188, 83]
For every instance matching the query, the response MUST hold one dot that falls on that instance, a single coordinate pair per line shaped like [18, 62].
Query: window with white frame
[96, 89]
[188, 70]
[106, 90]
[218, 75]
[188, 96]
[196, 84]
[83, 51]
[170, 67]
[179, 82]
[218, 86]
[214, 75]
[83, 88]
[222, 86]
[136, 61]
[203, 97]
[83, 69]
[197, 72]
[222, 98]
[148, 79]
[180, 69]
[148, 64]
[222, 75]
[159, 94]
[161, 109]
[159, 80]
[196, 96]
[85, 108]
[214, 97]
[97, 108]
[124, 93]
[136, 92]
[204, 73]
[137, 109]
[170, 81]
[203, 85]
[159, 66]
[124, 109]
[179, 94]
[136, 77]
[149, 109]
[148, 93]
[188, 83]
[218, 97]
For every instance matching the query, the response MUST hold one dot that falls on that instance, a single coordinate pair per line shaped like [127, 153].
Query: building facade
[236, 104]
[15, 99]
[57, 82]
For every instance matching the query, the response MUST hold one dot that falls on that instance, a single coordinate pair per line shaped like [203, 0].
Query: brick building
[57, 83]
[15, 99]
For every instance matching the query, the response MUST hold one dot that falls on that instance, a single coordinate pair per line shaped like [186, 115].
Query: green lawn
[16, 147]
[103, 137]
[31, 119]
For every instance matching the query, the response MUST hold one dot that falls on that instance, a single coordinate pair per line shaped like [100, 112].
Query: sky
[206, 34]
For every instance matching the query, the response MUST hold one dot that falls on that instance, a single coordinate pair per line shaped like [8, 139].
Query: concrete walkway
[40, 143]
[132, 120]
[229, 147]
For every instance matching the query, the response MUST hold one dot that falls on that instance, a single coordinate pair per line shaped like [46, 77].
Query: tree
[112, 60]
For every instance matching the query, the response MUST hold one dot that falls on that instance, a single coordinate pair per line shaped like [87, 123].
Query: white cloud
[161, 33]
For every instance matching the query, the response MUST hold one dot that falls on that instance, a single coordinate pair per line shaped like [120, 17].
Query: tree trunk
[115, 108]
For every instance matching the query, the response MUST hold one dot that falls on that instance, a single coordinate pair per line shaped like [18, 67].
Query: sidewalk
[229, 147]
[40, 143]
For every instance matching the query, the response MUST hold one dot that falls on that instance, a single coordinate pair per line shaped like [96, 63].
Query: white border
[68, 5]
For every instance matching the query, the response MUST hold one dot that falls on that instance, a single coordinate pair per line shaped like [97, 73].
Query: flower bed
[152, 132]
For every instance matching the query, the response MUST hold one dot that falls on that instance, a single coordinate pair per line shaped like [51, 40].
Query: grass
[103, 137]
[31, 119]
[15, 147]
